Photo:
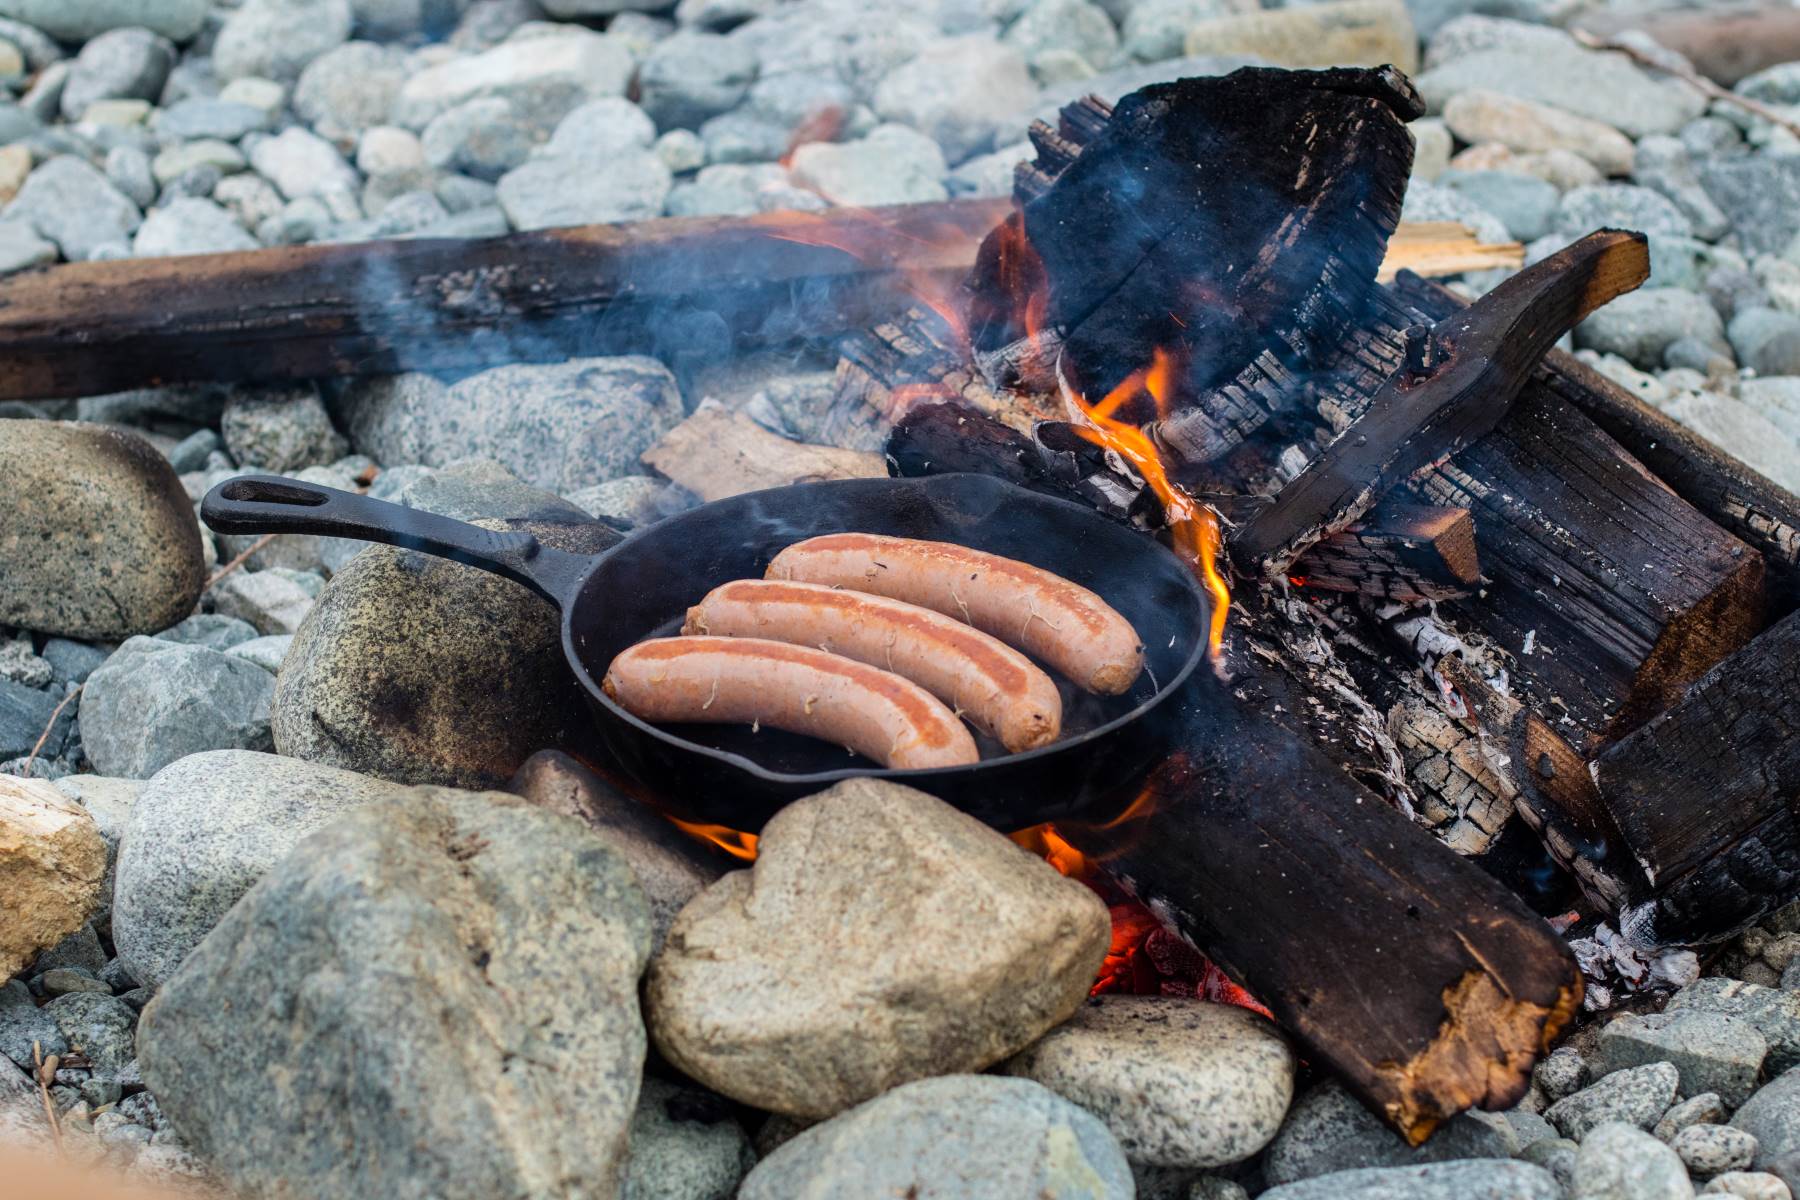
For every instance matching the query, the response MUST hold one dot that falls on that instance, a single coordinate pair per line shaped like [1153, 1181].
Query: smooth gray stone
[1464, 1179]
[1636, 1096]
[155, 701]
[1761, 195]
[71, 203]
[1328, 1130]
[685, 1145]
[1772, 1117]
[1621, 1162]
[23, 1023]
[25, 713]
[122, 64]
[1712, 1051]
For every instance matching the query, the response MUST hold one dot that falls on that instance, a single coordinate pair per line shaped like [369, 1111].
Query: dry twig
[1699, 83]
[239, 561]
[31, 759]
[45, 1072]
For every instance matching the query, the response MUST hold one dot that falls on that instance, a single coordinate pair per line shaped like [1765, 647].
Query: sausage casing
[1047, 616]
[998, 689]
[797, 688]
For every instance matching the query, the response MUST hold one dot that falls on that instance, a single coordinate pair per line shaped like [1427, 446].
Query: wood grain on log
[1424, 983]
[1397, 551]
[1463, 375]
[1705, 795]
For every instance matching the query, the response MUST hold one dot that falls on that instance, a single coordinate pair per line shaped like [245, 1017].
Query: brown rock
[881, 937]
[99, 540]
[1342, 33]
[52, 859]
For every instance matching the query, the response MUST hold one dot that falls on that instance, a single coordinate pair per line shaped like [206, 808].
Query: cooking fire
[782, 600]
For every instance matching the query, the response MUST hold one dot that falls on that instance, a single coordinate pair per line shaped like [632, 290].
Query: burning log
[1703, 797]
[1401, 552]
[1225, 215]
[1421, 980]
[305, 312]
[1456, 383]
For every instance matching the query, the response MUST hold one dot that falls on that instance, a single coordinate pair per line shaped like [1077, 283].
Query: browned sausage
[982, 678]
[1045, 615]
[753, 681]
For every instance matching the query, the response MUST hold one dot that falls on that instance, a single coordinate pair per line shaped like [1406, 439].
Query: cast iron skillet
[643, 586]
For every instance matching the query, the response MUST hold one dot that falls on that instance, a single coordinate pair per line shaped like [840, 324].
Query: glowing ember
[1193, 527]
[734, 842]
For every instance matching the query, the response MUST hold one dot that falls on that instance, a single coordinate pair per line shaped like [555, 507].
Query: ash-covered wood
[685, 287]
[1402, 552]
[1215, 218]
[1424, 983]
[1456, 381]
[1704, 797]
[718, 453]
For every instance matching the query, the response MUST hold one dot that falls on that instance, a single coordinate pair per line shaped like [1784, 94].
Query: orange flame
[734, 842]
[1193, 527]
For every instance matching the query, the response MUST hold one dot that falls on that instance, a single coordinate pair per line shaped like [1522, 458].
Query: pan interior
[643, 587]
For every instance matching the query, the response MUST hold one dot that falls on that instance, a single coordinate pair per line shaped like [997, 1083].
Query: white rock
[960, 91]
[190, 225]
[543, 77]
[301, 163]
[275, 39]
[583, 190]
[72, 204]
[893, 165]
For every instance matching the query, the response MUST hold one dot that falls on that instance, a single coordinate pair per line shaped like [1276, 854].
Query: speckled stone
[957, 1137]
[1466, 1179]
[671, 867]
[1704, 1109]
[1180, 1083]
[422, 670]
[1618, 1161]
[1748, 1185]
[685, 1145]
[1329, 1130]
[880, 937]
[202, 832]
[438, 993]
[1775, 1013]
[1772, 1116]
[1714, 1149]
[99, 540]
[1637, 1096]
[1712, 1052]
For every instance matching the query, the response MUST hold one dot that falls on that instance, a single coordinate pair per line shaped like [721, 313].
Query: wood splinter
[1481, 360]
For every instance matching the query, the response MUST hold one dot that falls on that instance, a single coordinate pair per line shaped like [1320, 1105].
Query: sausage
[1059, 622]
[982, 678]
[755, 681]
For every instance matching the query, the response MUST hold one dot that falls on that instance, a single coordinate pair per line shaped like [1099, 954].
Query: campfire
[1400, 687]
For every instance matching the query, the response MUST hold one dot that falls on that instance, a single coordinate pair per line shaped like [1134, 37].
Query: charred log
[1423, 982]
[1221, 217]
[1704, 796]
[1456, 381]
[1402, 552]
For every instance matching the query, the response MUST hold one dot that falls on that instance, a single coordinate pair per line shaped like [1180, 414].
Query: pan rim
[1166, 689]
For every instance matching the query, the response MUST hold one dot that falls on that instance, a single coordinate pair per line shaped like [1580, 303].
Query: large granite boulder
[430, 997]
[882, 936]
[99, 541]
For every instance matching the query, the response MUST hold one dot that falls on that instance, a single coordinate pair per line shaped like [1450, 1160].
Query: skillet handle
[275, 504]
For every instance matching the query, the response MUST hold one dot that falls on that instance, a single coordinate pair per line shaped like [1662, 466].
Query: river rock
[445, 986]
[1636, 1096]
[1601, 87]
[100, 541]
[99, 1026]
[154, 701]
[52, 862]
[108, 801]
[1713, 1052]
[423, 670]
[25, 713]
[203, 831]
[1618, 1161]
[1479, 116]
[1467, 1179]
[122, 64]
[301, 163]
[1330, 1131]
[555, 190]
[75, 21]
[1772, 1117]
[1179, 1083]
[190, 225]
[275, 39]
[1339, 33]
[559, 426]
[23, 1023]
[279, 429]
[1761, 195]
[893, 165]
[1774, 1011]
[273, 601]
[961, 92]
[544, 78]
[72, 204]
[671, 867]
[949, 949]
[1641, 325]
[688, 77]
[685, 1145]
[348, 89]
[959, 1137]
[1714, 1149]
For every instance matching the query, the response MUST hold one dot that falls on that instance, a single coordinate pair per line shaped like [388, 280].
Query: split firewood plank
[1397, 551]
[1444, 248]
[718, 453]
[1462, 376]
[1705, 796]
[1424, 983]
